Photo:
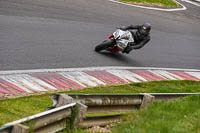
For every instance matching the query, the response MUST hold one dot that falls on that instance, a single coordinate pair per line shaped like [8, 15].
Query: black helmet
[145, 29]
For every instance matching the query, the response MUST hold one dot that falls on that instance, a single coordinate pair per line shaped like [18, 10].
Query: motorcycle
[116, 42]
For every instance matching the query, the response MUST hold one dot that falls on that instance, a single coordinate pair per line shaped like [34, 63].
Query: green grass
[179, 116]
[17, 108]
[147, 87]
[14, 109]
[162, 3]
[105, 114]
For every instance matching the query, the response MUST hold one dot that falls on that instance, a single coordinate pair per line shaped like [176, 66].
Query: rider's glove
[127, 49]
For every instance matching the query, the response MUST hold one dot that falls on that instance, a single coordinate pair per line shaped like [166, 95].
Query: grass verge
[160, 3]
[17, 108]
[178, 116]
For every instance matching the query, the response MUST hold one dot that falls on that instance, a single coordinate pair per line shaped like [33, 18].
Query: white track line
[191, 2]
[195, 74]
[82, 78]
[166, 74]
[90, 68]
[153, 8]
[15, 82]
[127, 76]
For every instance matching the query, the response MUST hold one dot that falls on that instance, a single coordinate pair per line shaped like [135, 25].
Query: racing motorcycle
[116, 42]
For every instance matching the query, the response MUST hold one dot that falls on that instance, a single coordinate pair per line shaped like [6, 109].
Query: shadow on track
[120, 58]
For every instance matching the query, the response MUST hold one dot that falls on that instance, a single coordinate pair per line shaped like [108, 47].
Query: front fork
[112, 38]
[115, 48]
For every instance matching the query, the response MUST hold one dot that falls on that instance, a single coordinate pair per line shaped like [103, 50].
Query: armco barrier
[122, 102]
[48, 121]
[67, 106]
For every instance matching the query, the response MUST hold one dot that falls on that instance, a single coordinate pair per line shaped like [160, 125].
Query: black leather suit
[140, 39]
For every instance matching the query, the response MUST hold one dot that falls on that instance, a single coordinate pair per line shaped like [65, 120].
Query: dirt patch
[98, 129]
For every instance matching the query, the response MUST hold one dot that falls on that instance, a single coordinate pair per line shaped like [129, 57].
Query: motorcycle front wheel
[104, 45]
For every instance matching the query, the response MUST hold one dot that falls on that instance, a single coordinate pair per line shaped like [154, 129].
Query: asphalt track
[45, 34]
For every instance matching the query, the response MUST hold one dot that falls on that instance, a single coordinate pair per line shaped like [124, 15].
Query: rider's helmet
[145, 29]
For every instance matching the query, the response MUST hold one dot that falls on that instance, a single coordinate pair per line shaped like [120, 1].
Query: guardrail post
[19, 128]
[63, 99]
[81, 114]
[78, 112]
[147, 99]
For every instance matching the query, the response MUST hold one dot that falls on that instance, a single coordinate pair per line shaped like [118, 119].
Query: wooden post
[147, 99]
[19, 128]
[81, 114]
[64, 99]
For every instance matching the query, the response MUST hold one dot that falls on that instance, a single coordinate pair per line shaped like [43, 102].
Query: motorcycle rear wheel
[104, 45]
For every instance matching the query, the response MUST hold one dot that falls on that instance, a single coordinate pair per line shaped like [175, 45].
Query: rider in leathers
[141, 36]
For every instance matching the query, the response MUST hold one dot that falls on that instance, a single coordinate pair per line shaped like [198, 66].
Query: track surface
[38, 34]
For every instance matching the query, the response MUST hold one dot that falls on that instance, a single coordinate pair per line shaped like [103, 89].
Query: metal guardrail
[51, 120]
[169, 96]
[109, 102]
[54, 119]
[122, 102]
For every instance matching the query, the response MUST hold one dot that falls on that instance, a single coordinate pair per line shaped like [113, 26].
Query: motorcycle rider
[141, 36]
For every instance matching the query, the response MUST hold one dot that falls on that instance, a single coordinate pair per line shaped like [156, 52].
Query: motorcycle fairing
[123, 38]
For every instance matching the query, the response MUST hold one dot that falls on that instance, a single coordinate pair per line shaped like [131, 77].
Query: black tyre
[104, 45]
